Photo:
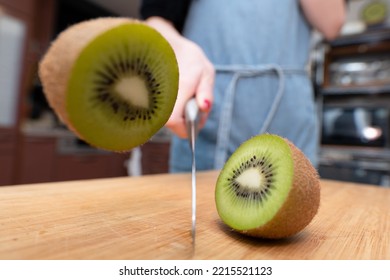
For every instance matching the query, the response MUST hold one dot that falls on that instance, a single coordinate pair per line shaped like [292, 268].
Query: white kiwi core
[133, 89]
[251, 179]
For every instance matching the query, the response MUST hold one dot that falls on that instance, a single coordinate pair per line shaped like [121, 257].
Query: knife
[192, 115]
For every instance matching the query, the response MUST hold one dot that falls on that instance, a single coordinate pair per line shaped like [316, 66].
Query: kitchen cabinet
[42, 160]
[7, 159]
[36, 18]
[353, 89]
[37, 160]
[87, 166]
[155, 157]
[18, 15]
[23, 6]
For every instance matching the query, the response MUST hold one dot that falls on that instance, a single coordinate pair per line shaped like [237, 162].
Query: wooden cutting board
[149, 217]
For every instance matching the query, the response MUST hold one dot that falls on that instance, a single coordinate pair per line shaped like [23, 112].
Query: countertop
[149, 217]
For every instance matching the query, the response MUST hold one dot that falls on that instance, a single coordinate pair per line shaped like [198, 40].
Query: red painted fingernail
[207, 104]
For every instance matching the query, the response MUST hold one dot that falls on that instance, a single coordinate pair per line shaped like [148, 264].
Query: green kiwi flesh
[374, 12]
[121, 87]
[260, 192]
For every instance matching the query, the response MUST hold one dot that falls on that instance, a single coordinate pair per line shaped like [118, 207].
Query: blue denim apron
[260, 50]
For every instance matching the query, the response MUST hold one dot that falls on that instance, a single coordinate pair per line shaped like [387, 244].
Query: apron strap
[245, 71]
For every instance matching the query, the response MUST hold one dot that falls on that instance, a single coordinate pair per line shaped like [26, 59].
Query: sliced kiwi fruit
[113, 81]
[374, 12]
[267, 188]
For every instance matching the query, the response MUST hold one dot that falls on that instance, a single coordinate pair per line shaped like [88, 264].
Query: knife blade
[192, 113]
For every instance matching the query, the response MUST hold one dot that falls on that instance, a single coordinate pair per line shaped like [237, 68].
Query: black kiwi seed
[115, 107]
[267, 169]
[104, 78]
[116, 68]
[123, 66]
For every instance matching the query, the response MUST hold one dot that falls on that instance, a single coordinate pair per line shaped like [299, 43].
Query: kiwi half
[113, 81]
[374, 12]
[267, 188]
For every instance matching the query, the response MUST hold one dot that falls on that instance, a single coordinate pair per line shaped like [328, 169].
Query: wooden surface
[149, 218]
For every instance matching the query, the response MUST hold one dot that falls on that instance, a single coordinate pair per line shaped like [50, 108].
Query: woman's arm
[327, 16]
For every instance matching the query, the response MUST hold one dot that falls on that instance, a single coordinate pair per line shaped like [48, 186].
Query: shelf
[341, 152]
[372, 36]
[357, 90]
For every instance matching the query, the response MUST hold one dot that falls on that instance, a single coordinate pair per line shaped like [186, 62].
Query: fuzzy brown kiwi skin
[301, 205]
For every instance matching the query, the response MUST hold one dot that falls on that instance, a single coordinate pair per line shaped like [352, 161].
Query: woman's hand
[196, 75]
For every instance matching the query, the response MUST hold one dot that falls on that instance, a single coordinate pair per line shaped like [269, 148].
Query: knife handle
[192, 117]
[192, 111]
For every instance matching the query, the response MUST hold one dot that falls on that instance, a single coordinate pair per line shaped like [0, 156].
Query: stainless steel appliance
[352, 83]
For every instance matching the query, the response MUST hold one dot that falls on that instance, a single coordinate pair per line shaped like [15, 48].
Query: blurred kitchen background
[351, 76]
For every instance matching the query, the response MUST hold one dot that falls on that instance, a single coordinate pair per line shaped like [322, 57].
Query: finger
[204, 91]
[176, 122]
[177, 127]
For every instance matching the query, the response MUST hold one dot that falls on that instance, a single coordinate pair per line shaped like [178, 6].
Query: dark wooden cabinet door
[7, 159]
